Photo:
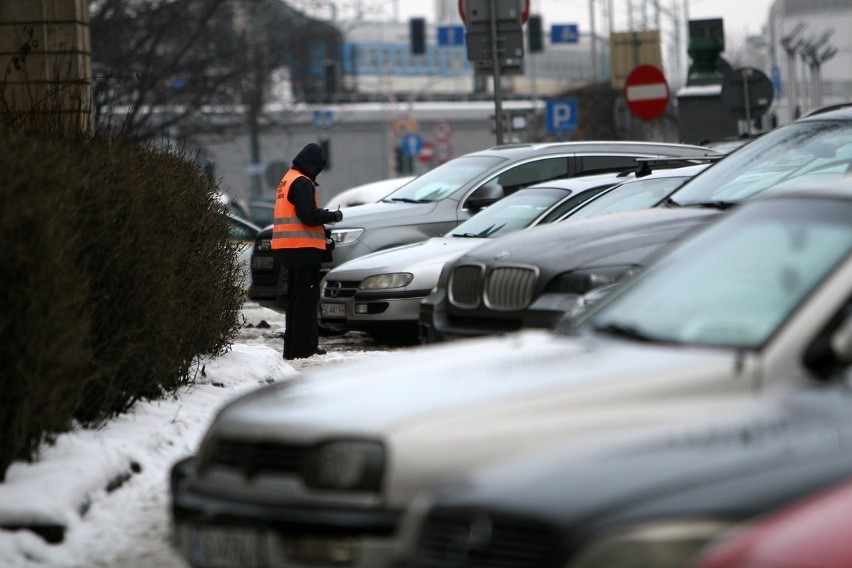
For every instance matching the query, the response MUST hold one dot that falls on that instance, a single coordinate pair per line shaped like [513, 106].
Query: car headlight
[665, 544]
[345, 465]
[582, 281]
[345, 236]
[381, 281]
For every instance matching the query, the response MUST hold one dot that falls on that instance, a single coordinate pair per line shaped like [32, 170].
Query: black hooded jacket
[309, 162]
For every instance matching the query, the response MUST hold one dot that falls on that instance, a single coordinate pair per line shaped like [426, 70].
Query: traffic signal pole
[498, 91]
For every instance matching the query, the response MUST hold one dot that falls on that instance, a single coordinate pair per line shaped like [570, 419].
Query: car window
[629, 196]
[528, 173]
[607, 163]
[572, 203]
[735, 283]
[444, 180]
[797, 153]
[511, 213]
[239, 231]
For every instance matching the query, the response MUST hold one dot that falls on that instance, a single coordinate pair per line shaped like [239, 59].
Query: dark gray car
[652, 501]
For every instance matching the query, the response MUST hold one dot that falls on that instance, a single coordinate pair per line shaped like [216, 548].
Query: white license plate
[333, 310]
[215, 547]
[262, 262]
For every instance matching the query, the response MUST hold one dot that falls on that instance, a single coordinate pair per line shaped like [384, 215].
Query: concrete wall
[362, 138]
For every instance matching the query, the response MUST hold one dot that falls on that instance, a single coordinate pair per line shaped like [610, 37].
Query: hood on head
[310, 160]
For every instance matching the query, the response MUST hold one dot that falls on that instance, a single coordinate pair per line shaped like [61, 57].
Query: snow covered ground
[71, 484]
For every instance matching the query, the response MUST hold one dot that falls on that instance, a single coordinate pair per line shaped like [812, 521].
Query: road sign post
[646, 92]
[495, 42]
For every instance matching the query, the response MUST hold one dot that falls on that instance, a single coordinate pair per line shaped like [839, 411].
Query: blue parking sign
[564, 33]
[562, 115]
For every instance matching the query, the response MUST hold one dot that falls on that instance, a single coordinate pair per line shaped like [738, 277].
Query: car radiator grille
[466, 286]
[340, 288]
[257, 456]
[506, 288]
[509, 288]
[479, 541]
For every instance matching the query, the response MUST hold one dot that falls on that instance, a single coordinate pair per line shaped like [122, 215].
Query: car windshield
[629, 196]
[444, 180]
[511, 213]
[735, 282]
[801, 152]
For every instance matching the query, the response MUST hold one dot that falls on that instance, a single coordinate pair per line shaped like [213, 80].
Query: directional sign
[562, 115]
[412, 144]
[646, 92]
[450, 35]
[564, 33]
[323, 119]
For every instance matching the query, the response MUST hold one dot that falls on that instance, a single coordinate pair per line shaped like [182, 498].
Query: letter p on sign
[562, 115]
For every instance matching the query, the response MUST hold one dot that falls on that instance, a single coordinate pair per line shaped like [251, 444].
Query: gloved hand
[338, 216]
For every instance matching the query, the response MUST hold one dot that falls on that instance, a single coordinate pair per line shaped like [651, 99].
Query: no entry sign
[646, 92]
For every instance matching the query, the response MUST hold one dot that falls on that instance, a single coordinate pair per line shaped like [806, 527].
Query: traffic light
[535, 42]
[418, 35]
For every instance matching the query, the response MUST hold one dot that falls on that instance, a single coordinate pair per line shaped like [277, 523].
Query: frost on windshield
[794, 156]
[736, 282]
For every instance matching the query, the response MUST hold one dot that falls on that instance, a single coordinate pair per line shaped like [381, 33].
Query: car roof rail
[647, 166]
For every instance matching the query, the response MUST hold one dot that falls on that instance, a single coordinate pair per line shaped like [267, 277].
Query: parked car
[320, 469]
[366, 193]
[655, 498]
[243, 233]
[381, 293]
[531, 278]
[813, 533]
[437, 201]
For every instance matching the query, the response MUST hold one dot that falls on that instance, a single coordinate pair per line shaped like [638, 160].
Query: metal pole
[593, 40]
[498, 93]
[745, 75]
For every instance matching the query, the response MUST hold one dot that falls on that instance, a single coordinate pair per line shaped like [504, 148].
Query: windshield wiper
[404, 200]
[626, 331]
[669, 202]
[715, 204]
[466, 235]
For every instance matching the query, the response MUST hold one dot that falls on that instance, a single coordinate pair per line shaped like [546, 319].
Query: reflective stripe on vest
[288, 231]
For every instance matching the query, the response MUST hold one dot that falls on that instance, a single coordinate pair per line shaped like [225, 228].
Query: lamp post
[790, 44]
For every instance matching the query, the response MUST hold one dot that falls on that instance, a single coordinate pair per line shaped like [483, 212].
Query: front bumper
[212, 531]
[385, 312]
[438, 323]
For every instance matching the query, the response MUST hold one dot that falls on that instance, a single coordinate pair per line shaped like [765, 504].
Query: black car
[651, 500]
[528, 279]
[439, 200]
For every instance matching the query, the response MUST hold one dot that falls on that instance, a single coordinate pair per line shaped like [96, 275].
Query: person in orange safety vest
[298, 239]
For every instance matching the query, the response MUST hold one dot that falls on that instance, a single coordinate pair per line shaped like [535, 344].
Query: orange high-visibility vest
[288, 231]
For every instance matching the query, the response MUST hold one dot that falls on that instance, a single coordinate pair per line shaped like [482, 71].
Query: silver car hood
[442, 410]
[437, 250]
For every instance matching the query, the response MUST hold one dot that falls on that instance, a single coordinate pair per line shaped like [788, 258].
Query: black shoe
[318, 351]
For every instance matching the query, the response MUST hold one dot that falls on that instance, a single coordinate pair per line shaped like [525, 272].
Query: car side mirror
[841, 342]
[485, 195]
[832, 350]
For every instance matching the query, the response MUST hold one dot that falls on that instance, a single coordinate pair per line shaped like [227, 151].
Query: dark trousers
[301, 328]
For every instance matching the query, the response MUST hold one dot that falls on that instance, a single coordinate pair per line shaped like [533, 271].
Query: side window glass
[529, 173]
[608, 163]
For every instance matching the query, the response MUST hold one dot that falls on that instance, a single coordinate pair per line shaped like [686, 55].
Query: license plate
[333, 310]
[214, 547]
[262, 262]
